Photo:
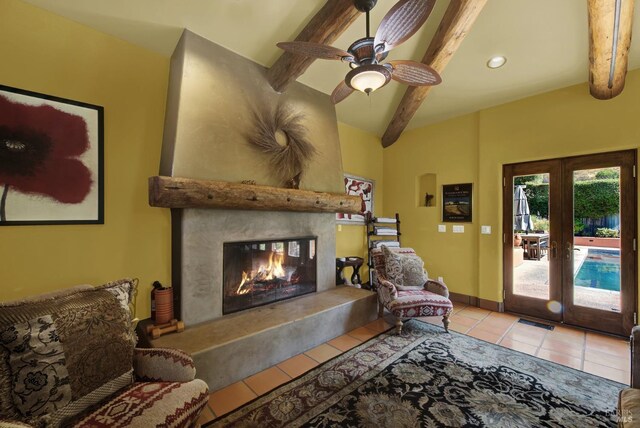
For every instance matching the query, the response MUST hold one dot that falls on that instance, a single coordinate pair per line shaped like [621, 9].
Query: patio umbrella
[521, 213]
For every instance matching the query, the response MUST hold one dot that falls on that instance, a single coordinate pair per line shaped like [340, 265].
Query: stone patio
[531, 279]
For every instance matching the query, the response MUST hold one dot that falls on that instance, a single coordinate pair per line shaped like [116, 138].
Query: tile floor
[591, 352]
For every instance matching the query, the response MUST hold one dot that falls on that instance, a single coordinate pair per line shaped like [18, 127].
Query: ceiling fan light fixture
[368, 78]
[496, 61]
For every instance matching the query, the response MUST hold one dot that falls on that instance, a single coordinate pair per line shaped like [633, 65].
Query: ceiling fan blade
[316, 50]
[401, 22]
[414, 73]
[341, 92]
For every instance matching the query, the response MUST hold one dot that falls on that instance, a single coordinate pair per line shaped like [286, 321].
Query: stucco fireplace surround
[212, 97]
[203, 233]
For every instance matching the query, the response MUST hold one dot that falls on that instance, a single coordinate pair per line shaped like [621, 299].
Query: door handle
[554, 249]
[569, 250]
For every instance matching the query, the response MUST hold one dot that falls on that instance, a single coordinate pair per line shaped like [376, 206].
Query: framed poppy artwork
[357, 186]
[51, 160]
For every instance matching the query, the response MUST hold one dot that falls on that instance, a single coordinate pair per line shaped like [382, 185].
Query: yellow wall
[473, 148]
[361, 156]
[450, 151]
[46, 53]
[561, 123]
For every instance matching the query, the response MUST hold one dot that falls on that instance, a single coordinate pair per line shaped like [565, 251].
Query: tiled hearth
[594, 353]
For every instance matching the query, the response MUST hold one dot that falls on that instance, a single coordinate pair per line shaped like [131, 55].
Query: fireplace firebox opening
[257, 273]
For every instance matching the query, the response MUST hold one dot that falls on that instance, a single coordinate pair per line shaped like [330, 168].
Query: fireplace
[260, 272]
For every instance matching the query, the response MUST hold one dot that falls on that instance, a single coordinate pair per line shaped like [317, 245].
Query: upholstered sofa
[69, 359]
[404, 288]
[629, 401]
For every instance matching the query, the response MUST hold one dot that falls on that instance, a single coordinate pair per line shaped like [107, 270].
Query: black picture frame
[51, 160]
[457, 203]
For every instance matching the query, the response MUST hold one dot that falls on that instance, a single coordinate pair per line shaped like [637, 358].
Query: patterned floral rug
[429, 378]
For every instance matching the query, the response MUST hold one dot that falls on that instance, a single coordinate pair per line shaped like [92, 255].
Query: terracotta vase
[517, 240]
[163, 306]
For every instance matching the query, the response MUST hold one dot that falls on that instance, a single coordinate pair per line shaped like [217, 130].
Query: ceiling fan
[365, 55]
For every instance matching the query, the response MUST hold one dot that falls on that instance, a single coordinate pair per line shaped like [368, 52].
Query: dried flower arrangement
[281, 135]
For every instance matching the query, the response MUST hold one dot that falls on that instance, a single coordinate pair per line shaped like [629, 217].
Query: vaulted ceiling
[545, 42]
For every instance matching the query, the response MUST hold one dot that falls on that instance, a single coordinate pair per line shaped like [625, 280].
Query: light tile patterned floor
[594, 353]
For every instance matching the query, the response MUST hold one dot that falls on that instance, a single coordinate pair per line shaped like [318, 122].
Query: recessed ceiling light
[496, 62]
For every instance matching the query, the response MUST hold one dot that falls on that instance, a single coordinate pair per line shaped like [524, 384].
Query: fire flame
[274, 270]
[240, 290]
[265, 273]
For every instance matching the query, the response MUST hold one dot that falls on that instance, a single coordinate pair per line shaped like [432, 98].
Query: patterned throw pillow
[38, 366]
[405, 271]
[413, 271]
[65, 353]
[393, 266]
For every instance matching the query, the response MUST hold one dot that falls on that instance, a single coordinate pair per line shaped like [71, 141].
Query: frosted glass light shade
[368, 78]
[368, 81]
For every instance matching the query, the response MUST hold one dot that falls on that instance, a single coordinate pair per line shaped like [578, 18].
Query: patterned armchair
[68, 359]
[629, 398]
[406, 301]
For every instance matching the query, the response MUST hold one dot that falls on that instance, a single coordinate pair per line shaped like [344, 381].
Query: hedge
[592, 199]
[597, 198]
[538, 198]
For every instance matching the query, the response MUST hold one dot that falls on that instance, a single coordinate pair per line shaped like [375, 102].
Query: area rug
[428, 378]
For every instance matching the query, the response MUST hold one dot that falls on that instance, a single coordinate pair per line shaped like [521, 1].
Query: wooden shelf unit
[374, 238]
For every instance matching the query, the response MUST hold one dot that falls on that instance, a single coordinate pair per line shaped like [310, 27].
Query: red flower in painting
[39, 146]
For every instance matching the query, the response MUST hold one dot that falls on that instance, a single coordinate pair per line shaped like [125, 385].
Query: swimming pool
[601, 269]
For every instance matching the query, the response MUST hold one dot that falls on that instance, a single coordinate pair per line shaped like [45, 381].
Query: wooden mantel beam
[325, 27]
[455, 24]
[605, 81]
[174, 192]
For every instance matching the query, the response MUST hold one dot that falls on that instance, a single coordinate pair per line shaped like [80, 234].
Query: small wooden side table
[355, 263]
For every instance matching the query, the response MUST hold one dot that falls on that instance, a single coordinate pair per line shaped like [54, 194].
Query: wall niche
[426, 190]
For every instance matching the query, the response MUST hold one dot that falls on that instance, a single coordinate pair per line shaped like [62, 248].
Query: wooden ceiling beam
[605, 81]
[455, 24]
[325, 27]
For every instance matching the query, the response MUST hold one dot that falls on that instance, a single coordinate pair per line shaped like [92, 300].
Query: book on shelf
[387, 231]
[385, 220]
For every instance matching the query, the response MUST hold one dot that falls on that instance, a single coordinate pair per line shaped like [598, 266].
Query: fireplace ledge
[235, 346]
[175, 192]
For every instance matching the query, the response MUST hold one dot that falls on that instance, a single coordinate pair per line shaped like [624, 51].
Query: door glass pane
[596, 241]
[531, 236]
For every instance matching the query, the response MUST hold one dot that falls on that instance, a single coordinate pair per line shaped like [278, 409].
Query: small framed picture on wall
[358, 186]
[457, 203]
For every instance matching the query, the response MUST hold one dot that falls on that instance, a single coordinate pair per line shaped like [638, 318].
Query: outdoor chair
[404, 288]
[535, 248]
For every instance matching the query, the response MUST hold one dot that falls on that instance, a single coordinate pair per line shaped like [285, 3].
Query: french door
[570, 240]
